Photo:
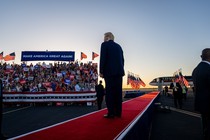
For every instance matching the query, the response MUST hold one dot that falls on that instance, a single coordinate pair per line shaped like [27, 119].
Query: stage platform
[94, 126]
[133, 93]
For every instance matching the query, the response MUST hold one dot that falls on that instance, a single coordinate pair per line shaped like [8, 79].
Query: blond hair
[109, 35]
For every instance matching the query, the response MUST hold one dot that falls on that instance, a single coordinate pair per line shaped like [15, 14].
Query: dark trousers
[177, 99]
[114, 95]
[99, 102]
[185, 96]
[206, 126]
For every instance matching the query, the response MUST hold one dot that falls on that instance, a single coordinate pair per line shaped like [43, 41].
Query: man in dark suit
[99, 94]
[177, 93]
[112, 70]
[201, 81]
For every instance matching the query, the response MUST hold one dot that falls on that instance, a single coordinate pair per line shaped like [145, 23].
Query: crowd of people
[42, 77]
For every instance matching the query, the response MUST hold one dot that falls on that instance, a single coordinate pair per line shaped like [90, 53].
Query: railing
[33, 97]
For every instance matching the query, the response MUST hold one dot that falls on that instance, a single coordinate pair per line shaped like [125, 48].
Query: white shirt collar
[206, 62]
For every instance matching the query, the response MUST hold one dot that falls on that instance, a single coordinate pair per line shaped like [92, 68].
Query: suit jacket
[201, 81]
[111, 59]
[99, 91]
[178, 90]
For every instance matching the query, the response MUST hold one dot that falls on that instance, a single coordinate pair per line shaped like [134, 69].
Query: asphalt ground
[176, 124]
[20, 120]
[173, 124]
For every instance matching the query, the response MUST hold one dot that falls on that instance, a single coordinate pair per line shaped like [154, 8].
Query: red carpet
[93, 126]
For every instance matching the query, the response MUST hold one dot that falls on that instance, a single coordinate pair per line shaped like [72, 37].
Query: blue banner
[47, 56]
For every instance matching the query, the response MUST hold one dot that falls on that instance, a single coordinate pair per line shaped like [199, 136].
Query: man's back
[112, 60]
[201, 80]
[100, 90]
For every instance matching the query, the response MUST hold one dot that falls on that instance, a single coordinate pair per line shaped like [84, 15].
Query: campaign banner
[47, 56]
[20, 97]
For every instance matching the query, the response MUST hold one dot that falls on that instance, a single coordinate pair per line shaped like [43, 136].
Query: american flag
[182, 78]
[83, 55]
[141, 82]
[9, 57]
[134, 81]
[94, 55]
[1, 56]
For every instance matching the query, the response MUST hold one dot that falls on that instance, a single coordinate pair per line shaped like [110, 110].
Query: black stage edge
[142, 126]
